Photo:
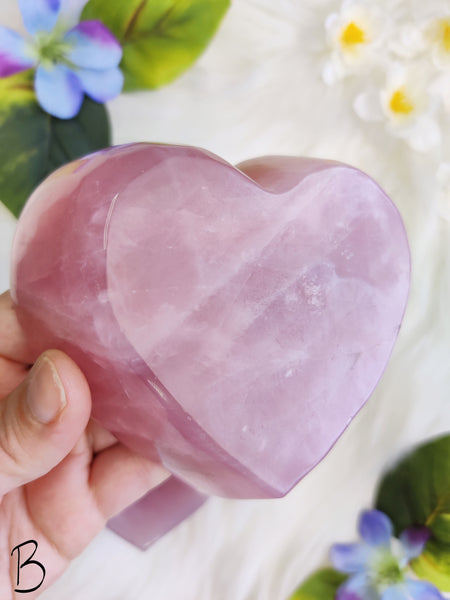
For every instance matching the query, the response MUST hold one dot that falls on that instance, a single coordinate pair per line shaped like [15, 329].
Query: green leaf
[160, 39]
[417, 492]
[434, 565]
[33, 143]
[321, 585]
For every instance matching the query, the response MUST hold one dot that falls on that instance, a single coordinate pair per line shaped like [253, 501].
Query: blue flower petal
[412, 590]
[58, 91]
[413, 541]
[101, 86]
[70, 13]
[375, 528]
[396, 592]
[39, 15]
[13, 56]
[350, 558]
[93, 46]
[422, 590]
[357, 588]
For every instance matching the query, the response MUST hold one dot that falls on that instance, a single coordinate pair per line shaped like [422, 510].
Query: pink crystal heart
[230, 322]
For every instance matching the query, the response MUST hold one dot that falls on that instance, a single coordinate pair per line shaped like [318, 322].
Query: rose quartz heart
[230, 325]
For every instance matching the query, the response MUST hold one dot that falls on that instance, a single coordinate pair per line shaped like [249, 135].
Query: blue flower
[376, 572]
[69, 64]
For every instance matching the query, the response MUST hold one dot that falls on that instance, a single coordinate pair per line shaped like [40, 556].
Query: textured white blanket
[280, 78]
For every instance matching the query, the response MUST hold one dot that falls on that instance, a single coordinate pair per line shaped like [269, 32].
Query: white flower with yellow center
[425, 33]
[405, 105]
[427, 38]
[437, 37]
[353, 35]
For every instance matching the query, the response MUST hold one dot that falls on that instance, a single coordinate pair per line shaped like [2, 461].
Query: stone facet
[230, 322]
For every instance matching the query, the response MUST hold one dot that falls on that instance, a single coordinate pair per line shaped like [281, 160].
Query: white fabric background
[259, 90]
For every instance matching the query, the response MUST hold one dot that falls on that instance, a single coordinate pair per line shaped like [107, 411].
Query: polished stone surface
[230, 322]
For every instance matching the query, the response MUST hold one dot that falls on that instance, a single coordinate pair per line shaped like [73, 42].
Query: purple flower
[69, 64]
[377, 571]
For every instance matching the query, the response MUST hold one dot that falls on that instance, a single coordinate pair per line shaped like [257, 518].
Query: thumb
[42, 419]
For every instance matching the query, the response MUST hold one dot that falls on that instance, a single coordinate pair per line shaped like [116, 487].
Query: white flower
[429, 37]
[409, 42]
[441, 88]
[406, 106]
[427, 34]
[443, 177]
[437, 35]
[354, 35]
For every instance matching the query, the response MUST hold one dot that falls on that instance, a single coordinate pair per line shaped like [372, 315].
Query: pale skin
[62, 480]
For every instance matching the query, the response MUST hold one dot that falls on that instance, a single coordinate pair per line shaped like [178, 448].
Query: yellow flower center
[439, 34]
[352, 35]
[445, 32]
[400, 104]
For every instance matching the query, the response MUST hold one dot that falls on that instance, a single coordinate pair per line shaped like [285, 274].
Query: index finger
[13, 340]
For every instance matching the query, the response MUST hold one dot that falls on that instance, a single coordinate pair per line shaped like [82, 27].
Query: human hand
[62, 476]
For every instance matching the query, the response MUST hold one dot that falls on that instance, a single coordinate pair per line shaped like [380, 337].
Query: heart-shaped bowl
[230, 321]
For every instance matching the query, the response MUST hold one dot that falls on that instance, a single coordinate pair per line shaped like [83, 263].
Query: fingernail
[46, 397]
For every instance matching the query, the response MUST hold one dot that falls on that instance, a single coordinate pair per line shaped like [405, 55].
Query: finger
[13, 341]
[88, 491]
[119, 477]
[95, 439]
[12, 373]
[42, 419]
[99, 437]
